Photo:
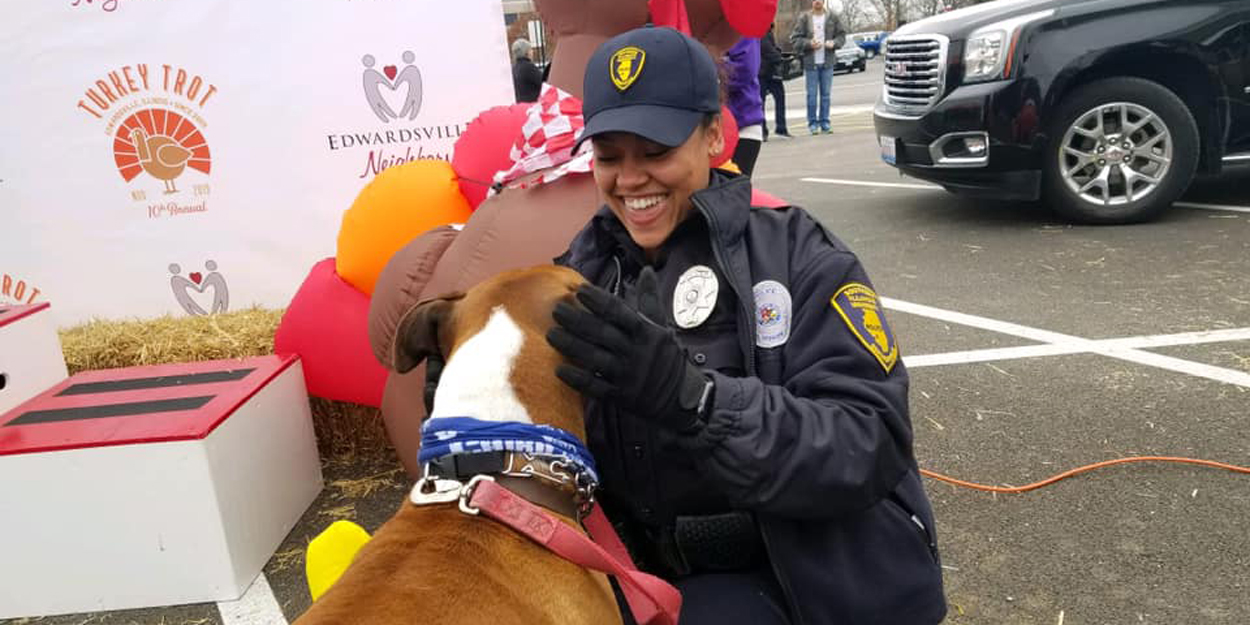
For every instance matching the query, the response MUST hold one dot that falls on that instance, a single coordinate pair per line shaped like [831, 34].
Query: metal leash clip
[466, 493]
[430, 489]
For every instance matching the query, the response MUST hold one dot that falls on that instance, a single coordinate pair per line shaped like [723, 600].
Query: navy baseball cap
[654, 82]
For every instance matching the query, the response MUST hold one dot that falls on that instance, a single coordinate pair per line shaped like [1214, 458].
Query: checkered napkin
[553, 125]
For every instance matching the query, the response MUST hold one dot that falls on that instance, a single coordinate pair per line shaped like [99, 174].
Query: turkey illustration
[161, 143]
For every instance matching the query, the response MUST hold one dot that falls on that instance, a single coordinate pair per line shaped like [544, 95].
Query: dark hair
[708, 118]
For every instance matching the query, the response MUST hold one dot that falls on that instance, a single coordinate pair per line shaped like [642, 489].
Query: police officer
[747, 407]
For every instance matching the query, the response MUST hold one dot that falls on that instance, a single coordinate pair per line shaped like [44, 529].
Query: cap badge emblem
[625, 66]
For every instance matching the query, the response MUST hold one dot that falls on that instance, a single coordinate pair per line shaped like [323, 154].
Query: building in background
[522, 22]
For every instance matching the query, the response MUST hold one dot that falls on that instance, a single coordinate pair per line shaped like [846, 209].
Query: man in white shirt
[816, 34]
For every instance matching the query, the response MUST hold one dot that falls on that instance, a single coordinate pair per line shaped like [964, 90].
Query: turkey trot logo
[153, 118]
[14, 289]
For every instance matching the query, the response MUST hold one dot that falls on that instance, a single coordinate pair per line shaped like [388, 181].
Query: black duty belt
[713, 543]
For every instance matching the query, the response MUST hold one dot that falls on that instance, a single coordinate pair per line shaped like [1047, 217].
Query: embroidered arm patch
[861, 310]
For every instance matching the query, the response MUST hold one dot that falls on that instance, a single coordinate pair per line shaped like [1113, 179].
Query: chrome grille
[915, 71]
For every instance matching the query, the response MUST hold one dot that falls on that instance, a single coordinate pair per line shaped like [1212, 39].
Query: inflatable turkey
[513, 183]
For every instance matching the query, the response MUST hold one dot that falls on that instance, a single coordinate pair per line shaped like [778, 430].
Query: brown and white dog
[434, 564]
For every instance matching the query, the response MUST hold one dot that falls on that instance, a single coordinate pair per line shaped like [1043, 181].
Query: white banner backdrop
[184, 157]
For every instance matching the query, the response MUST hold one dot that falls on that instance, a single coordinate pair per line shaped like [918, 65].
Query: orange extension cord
[1089, 467]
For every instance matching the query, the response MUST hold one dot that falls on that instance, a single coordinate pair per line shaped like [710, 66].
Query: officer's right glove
[620, 355]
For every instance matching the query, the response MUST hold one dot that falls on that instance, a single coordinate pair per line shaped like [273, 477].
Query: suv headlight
[988, 51]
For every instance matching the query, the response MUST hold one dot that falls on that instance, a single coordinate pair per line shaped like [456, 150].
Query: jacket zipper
[744, 332]
[747, 339]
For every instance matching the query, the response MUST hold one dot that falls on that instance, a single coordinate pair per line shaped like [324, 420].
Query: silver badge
[772, 313]
[695, 296]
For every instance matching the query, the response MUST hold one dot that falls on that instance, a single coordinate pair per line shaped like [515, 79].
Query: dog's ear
[417, 336]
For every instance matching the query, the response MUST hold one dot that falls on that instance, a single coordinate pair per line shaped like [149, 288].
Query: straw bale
[345, 432]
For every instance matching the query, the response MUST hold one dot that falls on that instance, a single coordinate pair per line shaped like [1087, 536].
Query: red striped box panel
[30, 353]
[11, 314]
[152, 486]
[135, 405]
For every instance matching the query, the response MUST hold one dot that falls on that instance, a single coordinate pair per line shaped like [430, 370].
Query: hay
[112, 344]
[346, 432]
[361, 488]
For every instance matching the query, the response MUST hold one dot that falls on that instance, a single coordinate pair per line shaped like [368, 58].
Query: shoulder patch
[773, 309]
[861, 310]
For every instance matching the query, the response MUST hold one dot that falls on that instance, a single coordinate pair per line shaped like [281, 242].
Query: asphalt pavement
[1034, 347]
[850, 92]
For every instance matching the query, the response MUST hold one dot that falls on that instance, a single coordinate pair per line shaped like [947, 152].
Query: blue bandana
[448, 436]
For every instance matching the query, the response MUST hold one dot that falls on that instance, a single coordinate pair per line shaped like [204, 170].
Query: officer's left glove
[621, 355]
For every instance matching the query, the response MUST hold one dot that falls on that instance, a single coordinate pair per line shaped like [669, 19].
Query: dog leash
[651, 600]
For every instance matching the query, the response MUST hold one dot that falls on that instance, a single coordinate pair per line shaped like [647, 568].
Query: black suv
[1106, 108]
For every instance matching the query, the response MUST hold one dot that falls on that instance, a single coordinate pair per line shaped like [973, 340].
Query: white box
[30, 353]
[152, 486]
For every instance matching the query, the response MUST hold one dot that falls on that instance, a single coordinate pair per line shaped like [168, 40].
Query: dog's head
[499, 365]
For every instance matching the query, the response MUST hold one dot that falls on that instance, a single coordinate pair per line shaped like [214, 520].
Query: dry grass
[345, 432]
[111, 344]
[340, 513]
[284, 560]
[365, 486]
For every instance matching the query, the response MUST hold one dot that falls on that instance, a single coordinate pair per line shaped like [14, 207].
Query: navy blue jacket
[812, 435]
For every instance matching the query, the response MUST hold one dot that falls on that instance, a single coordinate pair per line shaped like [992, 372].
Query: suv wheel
[1121, 151]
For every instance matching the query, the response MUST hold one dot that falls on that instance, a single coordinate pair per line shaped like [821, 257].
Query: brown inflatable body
[517, 228]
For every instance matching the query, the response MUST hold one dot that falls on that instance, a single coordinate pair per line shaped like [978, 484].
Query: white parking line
[836, 86]
[896, 185]
[257, 606]
[1058, 343]
[1057, 349]
[988, 355]
[985, 323]
[1213, 207]
[863, 183]
[1185, 338]
[801, 113]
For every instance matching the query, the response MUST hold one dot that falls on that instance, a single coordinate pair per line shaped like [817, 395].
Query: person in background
[771, 83]
[742, 69]
[527, 79]
[746, 401]
[816, 34]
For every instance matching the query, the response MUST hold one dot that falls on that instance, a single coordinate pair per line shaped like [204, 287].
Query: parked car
[869, 42]
[1105, 108]
[850, 57]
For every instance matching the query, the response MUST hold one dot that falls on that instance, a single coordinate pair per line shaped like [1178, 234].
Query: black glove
[620, 355]
[433, 371]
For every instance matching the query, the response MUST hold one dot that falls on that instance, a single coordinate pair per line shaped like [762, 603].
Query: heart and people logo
[403, 88]
[395, 94]
[192, 292]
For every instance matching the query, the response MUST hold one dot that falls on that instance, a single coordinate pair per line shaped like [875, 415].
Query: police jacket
[808, 427]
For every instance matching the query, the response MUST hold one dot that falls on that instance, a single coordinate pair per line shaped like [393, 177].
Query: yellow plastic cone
[330, 553]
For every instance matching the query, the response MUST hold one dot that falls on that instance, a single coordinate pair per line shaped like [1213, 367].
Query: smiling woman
[747, 407]
[648, 185]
